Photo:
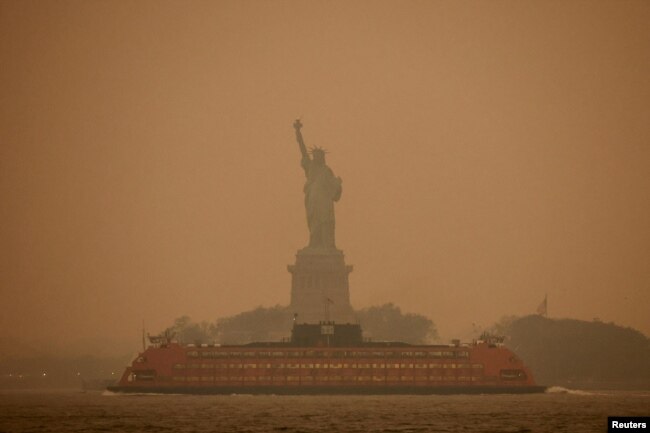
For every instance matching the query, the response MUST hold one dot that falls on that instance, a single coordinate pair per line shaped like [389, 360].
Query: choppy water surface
[556, 411]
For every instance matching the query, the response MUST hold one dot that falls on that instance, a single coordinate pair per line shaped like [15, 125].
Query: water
[559, 410]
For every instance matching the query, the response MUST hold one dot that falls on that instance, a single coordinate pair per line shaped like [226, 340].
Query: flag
[542, 309]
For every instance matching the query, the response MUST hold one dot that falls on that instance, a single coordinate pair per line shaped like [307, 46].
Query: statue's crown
[316, 150]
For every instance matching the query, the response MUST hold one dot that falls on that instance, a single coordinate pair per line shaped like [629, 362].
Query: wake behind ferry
[327, 358]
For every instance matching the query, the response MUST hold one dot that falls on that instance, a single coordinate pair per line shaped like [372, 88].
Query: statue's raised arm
[303, 149]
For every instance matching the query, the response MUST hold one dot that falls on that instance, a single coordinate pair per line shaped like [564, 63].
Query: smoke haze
[491, 153]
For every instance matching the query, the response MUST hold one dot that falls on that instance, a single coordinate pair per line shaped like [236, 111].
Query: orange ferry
[327, 358]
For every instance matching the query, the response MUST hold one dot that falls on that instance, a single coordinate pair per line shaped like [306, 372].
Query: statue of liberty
[321, 189]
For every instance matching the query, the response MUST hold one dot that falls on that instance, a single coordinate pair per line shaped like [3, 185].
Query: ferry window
[278, 354]
[193, 379]
[407, 354]
[250, 365]
[448, 354]
[435, 354]
[337, 354]
[235, 354]
[192, 354]
[207, 378]
[206, 354]
[207, 365]
[145, 375]
[178, 366]
[178, 378]
[378, 354]
[249, 354]
[420, 354]
[310, 353]
[194, 366]
[477, 366]
[464, 366]
[264, 354]
[463, 354]
[513, 375]
[434, 365]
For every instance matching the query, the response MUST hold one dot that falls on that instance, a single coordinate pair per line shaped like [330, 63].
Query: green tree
[186, 331]
[388, 323]
[572, 352]
[260, 324]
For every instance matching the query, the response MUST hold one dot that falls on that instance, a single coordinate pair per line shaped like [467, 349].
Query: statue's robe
[321, 189]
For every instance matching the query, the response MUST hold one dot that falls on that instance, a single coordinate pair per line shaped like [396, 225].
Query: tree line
[579, 354]
[380, 323]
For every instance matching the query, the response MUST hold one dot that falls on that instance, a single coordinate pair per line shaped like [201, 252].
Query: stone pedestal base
[319, 287]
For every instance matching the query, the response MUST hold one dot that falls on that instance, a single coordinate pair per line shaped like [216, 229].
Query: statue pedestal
[319, 286]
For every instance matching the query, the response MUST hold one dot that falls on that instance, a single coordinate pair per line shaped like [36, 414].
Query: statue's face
[319, 157]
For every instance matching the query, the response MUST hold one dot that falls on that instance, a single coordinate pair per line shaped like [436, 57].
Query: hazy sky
[491, 152]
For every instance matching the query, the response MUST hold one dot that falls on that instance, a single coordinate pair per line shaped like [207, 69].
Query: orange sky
[491, 152]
